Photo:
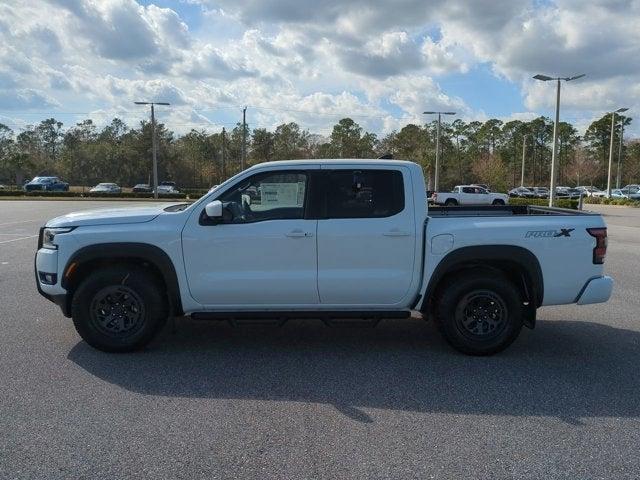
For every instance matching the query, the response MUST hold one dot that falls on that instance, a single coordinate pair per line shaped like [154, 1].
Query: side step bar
[347, 318]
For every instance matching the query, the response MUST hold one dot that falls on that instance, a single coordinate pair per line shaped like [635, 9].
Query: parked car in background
[106, 188]
[50, 184]
[590, 190]
[142, 188]
[631, 193]
[632, 186]
[469, 195]
[167, 189]
[167, 183]
[568, 193]
[617, 193]
[3, 187]
[599, 193]
[521, 192]
[539, 192]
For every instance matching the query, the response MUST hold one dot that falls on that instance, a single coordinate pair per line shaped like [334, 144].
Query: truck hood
[108, 216]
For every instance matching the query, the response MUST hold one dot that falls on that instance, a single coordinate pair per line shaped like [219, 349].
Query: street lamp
[524, 149]
[437, 169]
[154, 143]
[613, 123]
[554, 151]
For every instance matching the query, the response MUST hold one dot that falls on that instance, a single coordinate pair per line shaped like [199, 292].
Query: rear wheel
[497, 202]
[478, 312]
[119, 309]
[450, 202]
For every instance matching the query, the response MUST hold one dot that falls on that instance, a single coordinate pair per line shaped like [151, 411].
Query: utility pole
[524, 149]
[554, 151]
[619, 169]
[244, 137]
[224, 171]
[436, 178]
[613, 123]
[154, 144]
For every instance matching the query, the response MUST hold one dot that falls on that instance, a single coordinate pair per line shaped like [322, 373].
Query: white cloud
[384, 61]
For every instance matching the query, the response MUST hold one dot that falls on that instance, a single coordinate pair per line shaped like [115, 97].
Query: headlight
[49, 234]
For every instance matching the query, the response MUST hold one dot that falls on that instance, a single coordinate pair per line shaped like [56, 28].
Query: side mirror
[214, 209]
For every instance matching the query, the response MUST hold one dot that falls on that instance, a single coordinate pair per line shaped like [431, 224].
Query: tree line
[483, 152]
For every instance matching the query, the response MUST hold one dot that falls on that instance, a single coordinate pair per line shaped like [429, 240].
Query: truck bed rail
[500, 211]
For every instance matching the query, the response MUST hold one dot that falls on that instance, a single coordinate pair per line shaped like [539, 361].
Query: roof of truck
[337, 161]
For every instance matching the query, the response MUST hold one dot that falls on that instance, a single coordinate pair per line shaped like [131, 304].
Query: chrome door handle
[298, 234]
[396, 233]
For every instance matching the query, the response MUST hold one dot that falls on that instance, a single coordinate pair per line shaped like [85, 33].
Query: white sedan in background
[107, 188]
[469, 195]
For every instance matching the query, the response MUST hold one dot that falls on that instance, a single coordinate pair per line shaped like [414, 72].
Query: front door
[263, 254]
[367, 238]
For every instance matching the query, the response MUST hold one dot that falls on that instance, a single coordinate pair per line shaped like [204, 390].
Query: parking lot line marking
[13, 234]
[23, 221]
[16, 239]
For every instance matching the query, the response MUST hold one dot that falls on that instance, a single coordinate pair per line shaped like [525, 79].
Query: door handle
[298, 234]
[396, 233]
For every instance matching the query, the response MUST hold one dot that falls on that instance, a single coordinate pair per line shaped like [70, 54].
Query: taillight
[600, 250]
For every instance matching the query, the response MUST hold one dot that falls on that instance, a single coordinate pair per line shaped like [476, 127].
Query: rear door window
[364, 193]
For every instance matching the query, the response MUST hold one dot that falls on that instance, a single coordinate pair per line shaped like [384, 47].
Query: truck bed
[500, 211]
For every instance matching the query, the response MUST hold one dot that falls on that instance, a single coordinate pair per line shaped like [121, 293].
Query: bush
[543, 202]
[44, 193]
[611, 201]
[11, 193]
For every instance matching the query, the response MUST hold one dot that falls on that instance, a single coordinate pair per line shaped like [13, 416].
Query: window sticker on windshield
[282, 194]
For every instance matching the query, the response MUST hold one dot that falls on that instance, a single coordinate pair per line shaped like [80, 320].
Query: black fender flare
[145, 252]
[493, 255]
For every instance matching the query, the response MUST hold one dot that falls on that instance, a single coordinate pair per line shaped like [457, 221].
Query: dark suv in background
[50, 184]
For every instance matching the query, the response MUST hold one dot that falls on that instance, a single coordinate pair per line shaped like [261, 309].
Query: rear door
[468, 196]
[366, 236]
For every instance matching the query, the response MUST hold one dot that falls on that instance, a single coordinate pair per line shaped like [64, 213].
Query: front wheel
[119, 308]
[479, 312]
[450, 202]
[498, 202]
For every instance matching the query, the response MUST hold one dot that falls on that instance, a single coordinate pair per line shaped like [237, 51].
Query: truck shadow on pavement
[571, 370]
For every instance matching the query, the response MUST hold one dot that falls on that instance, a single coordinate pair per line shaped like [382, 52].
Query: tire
[132, 295]
[485, 294]
[451, 202]
[497, 202]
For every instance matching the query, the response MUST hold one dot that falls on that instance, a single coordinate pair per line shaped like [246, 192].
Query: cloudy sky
[380, 62]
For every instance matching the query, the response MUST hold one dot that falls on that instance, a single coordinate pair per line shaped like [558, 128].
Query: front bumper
[596, 290]
[46, 261]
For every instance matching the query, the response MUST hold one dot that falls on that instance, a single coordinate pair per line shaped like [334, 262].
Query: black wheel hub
[481, 315]
[117, 311]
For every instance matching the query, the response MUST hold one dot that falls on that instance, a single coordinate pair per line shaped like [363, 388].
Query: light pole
[554, 151]
[436, 177]
[618, 170]
[613, 124]
[524, 149]
[154, 144]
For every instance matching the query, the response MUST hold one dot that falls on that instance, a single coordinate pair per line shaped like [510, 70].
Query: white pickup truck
[469, 195]
[346, 241]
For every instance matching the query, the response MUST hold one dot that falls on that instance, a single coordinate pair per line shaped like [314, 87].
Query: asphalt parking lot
[305, 401]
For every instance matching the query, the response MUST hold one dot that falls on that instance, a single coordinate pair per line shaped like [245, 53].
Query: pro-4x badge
[563, 232]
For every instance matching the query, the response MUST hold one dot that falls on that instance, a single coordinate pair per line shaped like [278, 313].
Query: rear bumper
[596, 290]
